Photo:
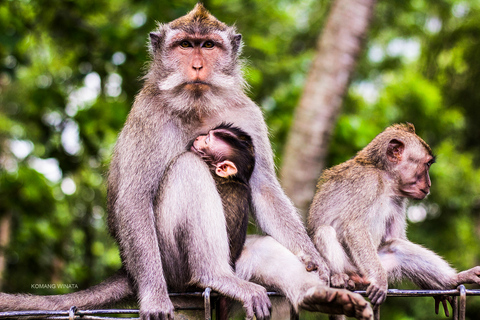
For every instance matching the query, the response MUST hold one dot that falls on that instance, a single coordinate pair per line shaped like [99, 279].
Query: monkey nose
[197, 64]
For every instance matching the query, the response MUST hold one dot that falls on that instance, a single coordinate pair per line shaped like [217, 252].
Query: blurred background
[69, 71]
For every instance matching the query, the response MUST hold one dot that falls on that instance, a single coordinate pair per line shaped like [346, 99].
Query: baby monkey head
[228, 150]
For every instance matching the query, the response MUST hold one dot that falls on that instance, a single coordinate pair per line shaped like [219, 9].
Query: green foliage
[69, 71]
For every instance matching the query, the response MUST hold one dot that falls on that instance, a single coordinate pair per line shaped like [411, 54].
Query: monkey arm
[364, 255]
[276, 214]
[137, 166]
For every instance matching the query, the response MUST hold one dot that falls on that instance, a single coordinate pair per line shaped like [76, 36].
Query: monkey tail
[115, 289]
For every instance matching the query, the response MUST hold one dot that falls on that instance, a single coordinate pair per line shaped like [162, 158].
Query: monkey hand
[160, 309]
[377, 291]
[257, 303]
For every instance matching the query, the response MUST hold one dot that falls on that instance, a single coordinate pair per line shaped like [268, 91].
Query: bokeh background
[69, 71]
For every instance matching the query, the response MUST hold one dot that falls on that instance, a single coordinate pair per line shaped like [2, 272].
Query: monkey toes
[156, 315]
[339, 280]
[259, 305]
[161, 311]
[336, 301]
[469, 276]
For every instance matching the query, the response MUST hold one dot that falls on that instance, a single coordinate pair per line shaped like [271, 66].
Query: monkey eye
[185, 44]
[429, 163]
[209, 44]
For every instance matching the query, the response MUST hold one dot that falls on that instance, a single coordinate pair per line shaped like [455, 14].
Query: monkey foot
[336, 301]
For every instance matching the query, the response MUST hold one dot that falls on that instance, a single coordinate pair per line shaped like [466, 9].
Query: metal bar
[455, 308]
[463, 302]
[423, 293]
[208, 307]
[71, 313]
[459, 307]
[376, 313]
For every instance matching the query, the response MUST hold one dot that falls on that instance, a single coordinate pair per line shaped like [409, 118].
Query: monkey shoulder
[345, 194]
[353, 178]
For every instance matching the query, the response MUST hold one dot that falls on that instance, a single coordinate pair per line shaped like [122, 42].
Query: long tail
[115, 289]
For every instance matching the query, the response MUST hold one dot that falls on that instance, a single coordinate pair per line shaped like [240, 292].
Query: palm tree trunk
[315, 117]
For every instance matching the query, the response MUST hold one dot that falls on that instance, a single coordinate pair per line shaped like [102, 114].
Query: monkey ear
[237, 43]
[395, 150]
[156, 39]
[225, 169]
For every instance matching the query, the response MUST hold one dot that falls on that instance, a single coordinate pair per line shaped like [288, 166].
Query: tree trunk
[315, 117]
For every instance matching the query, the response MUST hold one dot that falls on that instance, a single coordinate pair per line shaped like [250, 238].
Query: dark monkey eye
[208, 44]
[185, 44]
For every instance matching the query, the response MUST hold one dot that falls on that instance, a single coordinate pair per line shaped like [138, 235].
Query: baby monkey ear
[225, 169]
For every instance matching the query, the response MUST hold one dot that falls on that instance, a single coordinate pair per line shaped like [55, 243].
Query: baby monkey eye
[185, 44]
[208, 44]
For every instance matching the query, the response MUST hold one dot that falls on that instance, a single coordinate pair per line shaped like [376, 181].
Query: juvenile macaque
[230, 155]
[357, 218]
[163, 206]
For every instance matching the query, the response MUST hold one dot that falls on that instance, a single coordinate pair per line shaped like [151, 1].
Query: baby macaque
[230, 155]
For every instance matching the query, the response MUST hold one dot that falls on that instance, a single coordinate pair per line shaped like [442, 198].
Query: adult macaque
[357, 218]
[230, 155]
[164, 210]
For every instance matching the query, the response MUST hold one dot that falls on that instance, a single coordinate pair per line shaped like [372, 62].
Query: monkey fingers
[444, 300]
[336, 301]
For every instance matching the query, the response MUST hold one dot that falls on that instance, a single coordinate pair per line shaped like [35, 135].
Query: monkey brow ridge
[199, 17]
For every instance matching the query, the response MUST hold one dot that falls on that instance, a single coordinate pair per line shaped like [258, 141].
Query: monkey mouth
[198, 82]
[197, 85]
[195, 150]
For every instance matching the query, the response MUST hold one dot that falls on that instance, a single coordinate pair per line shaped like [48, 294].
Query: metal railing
[459, 305]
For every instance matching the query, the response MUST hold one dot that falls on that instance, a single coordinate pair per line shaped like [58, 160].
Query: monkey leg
[404, 259]
[267, 262]
[468, 276]
[326, 241]
[193, 237]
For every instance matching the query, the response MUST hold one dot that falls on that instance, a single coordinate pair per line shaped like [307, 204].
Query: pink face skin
[196, 55]
[411, 169]
[415, 181]
[215, 148]
[209, 144]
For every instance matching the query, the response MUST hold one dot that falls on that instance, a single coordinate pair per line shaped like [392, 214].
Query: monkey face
[211, 147]
[198, 56]
[414, 179]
